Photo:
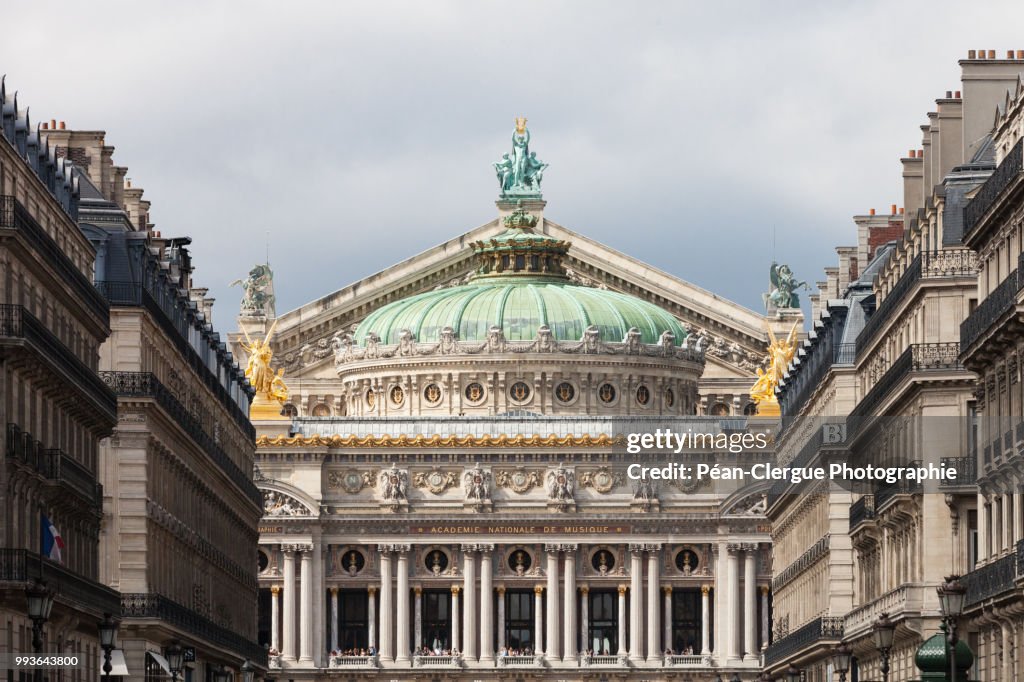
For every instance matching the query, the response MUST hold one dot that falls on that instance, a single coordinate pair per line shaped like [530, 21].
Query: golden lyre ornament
[780, 354]
[521, 125]
[271, 391]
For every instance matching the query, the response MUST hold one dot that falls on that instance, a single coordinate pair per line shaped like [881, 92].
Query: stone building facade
[53, 405]
[447, 495]
[991, 344]
[885, 362]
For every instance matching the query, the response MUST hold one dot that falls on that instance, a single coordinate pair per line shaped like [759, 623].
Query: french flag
[53, 543]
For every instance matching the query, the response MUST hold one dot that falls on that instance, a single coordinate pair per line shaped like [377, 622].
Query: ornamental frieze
[519, 480]
[281, 504]
[351, 480]
[351, 441]
[603, 479]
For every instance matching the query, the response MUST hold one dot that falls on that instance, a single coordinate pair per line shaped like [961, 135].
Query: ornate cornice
[552, 441]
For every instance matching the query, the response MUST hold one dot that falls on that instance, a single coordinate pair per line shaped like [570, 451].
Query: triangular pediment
[736, 334]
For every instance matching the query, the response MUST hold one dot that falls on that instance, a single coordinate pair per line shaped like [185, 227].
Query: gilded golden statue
[271, 391]
[780, 354]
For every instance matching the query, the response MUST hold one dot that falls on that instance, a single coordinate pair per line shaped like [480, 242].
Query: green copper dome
[520, 305]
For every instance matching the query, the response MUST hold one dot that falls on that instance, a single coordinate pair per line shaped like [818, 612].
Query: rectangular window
[519, 618]
[437, 620]
[686, 622]
[603, 636]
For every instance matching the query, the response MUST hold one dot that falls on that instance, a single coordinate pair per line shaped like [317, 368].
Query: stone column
[371, 615]
[666, 619]
[538, 619]
[553, 650]
[622, 621]
[653, 607]
[288, 645]
[486, 605]
[732, 604]
[636, 569]
[417, 624]
[275, 618]
[306, 608]
[569, 645]
[469, 647]
[765, 621]
[705, 620]
[501, 617]
[334, 618]
[387, 629]
[455, 619]
[402, 586]
[585, 619]
[750, 604]
[319, 589]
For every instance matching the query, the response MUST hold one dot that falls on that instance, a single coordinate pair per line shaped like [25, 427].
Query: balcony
[885, 492]
[904, 600]
[1008, 172]
[53, 464]
[999, 302]
[687, 661]
[536, 661]
[349, 662]
[450, 661]
[146, 385]
[157, 607]
[919, 357]
[169, 316]
[20, 328]
[73, 590]
[14, 216]
[862, 511]
[992, 579]
[966, 471]
[823, 629]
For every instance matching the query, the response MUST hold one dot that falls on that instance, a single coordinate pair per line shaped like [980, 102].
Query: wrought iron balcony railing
[822, 628]
[53, 464]
[1008, 171]
[999, 301]
[24, 566]
[157, 607]
[918, 357]
[992, 579]
[966, 470]
[18, 323]
[14, 216]
[861, 511]
[886, 491]
[146, 385]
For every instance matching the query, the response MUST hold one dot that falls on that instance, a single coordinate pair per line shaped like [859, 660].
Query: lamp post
[883, 631]
[841, 656]
[248, 671]
[792, 673]
[175, 656]
[108, 640]
[952, 595]
[40, 601]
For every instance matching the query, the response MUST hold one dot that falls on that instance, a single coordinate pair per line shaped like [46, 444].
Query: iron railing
[17, 322]
[822, 628]
[168, 314]
[813, 369]
[24, 566]
[54, 464]
[884, 310]
[861, 511]
[146, 385]
[155, 606]
[918, 357]
[14, 216]
[990, 192]
[966, 471]
[999, 301]
[991, 579]
[886, 491]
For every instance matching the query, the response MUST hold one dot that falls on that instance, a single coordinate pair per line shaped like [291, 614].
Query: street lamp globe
[248, 671]
[108, 632]
[884, 630]
[40, 601]
[175, 658]
[952, 595]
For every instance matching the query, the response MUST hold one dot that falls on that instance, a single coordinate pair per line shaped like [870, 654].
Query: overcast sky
[358, 134]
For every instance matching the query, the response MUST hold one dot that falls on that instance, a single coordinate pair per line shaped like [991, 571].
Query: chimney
[971, 54]
[949, 94]
[1020, 54]
[991, 54]
[981, 54]
[45, 125]
[901, 210]
[984, 85]
[61, 126]
[956, 95]
[871, 212]
[893, 212]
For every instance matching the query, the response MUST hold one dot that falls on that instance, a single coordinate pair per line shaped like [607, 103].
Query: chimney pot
[1009, 54]
[61, 125]
[45, 125]
[53, 124]
[1020, 54]
[971, 54]
[901, 210]
[912, 153]
[991, 54]
[871, 212]
[956, 95]
[920, 153]
[949, 94]
[893, 210]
